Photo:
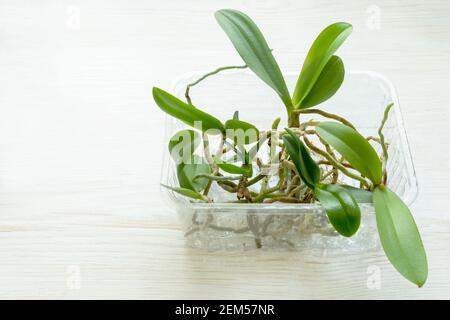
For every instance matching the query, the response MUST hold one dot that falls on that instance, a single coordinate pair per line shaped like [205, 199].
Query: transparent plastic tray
[223, 226]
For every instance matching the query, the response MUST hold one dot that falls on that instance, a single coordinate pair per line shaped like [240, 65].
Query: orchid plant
[311, 156]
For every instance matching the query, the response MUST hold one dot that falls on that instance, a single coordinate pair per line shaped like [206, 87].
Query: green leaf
[321, 51]
[252, 47]
[328, 83]
[399, 236]
[185, 112]
[360, 195]
[245, 170]
[241, 132]
[184, 140]
[341, 208]
[187, 172]
[353, 147]
[185, 192]
[307, 168]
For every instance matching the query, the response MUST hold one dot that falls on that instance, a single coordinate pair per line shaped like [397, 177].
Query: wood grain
[79, 141]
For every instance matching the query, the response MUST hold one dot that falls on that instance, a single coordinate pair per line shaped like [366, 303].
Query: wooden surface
[80, 139]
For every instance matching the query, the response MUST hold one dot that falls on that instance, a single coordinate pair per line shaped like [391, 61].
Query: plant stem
[294, 119]
[289, 165]
[265, 193]
[254, 180]
[216, 177]
[382, 142]
[228, 186]
[282, 199]
[190, 85]
[326, 162]
[210, 160]
[207, 152]
[327, 115]
[373, 139]
[309, 124]
[275, 123]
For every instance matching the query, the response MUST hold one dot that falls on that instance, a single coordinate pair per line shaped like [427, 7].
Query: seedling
[310, 157]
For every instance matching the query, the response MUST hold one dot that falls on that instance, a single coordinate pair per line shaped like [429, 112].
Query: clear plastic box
[224, 226]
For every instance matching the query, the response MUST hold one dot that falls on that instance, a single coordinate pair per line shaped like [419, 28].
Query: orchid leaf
[253, 49]
[341, 208]
[353, 147]
[399, 236]
[245, 170]
[319, 55]
[187, 173]
[186, 112]
[360, 195]
[186, 192]
[307, 168]
[328, 83]
[241, 132]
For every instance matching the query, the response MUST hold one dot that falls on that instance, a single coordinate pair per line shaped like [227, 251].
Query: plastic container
[223, 226]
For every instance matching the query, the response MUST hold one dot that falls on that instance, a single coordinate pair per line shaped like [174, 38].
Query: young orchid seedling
[338, 149]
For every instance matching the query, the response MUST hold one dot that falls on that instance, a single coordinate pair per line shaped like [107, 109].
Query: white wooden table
[80, 139]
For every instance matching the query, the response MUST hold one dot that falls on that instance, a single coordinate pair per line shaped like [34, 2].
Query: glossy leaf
[252, 47]
[341, 208]
[328, 83]
[184, 140]
[321, 51]
[399, 236]
[241, 131]
[185, 192]
[187, 172]
[360, 195]
[353, 147]
[245, 170]
[307, 168]
[185, 112]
